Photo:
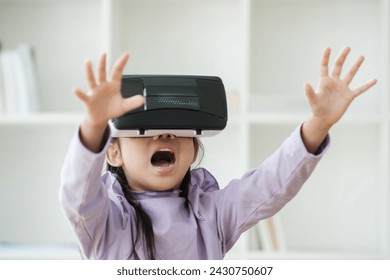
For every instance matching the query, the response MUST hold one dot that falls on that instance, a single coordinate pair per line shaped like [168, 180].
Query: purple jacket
[104, 221]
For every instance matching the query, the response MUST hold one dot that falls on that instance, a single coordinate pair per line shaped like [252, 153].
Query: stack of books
[18, 81]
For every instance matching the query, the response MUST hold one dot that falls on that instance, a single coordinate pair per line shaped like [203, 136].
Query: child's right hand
[103, 101]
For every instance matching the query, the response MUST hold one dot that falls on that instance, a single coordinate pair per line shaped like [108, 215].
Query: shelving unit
[264, 50]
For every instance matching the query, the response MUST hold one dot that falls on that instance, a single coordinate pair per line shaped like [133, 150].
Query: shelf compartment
[341, 196]
[287, 41]
[32, 156]
[184, 37]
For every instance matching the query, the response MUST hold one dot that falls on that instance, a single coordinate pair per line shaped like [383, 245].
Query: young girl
[150, 205]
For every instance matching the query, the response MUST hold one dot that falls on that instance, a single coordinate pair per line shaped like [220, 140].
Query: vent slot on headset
[172, 102]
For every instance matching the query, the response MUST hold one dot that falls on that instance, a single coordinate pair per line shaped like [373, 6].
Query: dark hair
[143, 221]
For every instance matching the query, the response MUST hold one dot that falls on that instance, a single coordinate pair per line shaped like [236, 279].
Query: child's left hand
[331, 99]
[333, 95]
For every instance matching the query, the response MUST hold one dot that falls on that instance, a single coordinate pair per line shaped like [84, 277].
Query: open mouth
[163, 158]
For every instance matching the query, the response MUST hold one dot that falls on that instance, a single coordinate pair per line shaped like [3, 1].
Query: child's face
[156, 163]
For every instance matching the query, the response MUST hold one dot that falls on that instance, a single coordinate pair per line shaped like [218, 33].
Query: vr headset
[186, 106]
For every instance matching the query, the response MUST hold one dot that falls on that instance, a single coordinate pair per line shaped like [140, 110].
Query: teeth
[165, 150]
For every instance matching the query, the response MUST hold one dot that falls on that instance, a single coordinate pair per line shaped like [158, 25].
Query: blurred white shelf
[41, 118]
[296, 118]
[39, 252]
[296, 255]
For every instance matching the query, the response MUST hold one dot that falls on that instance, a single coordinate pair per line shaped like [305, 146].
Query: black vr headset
[186, 106]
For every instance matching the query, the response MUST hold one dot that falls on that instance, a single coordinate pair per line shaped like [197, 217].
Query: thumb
[80, 95]
[310, 94]
[133, 102]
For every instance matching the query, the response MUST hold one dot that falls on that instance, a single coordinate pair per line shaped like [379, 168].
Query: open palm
[333, 95]
[104, 101]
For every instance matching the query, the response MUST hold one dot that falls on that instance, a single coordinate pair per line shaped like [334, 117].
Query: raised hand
[331, 99]
[333, 95]
[103, 101]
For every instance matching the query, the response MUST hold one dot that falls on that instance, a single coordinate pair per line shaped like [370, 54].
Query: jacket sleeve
[263, 191]
[96, 214]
